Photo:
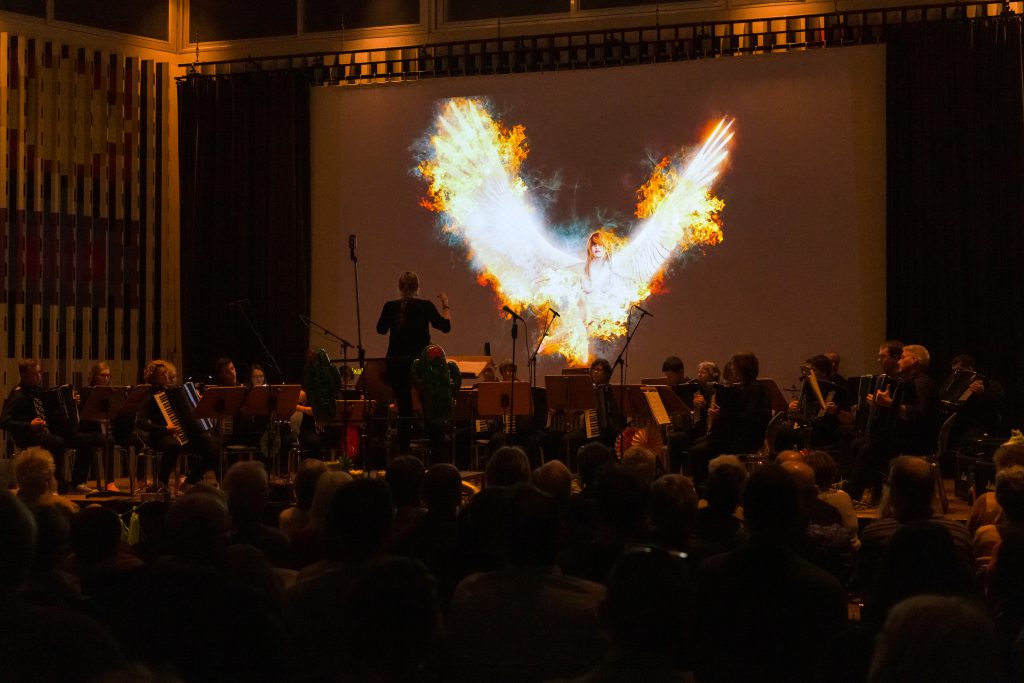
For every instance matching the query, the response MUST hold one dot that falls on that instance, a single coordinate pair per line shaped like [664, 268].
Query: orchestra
[862, 422]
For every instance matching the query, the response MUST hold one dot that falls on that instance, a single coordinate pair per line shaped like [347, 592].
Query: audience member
[717, 522]
[823, 541]
[936, 639]
[642, 462]
[248, 489]
[554, 479]
[297, 516]
[826, 469]
[507, 467]
[35, 474]
[405, 479]
[1009, 495]
[528, 621]
[785, 613]
[305, 544]
[911, 487]
[986, 509]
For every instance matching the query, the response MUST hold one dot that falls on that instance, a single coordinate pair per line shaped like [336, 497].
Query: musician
[407, 320]
[234, 430]
[119, 431]
[674, 371]
[224, 373]
[889, 354]
[981, 413]
[816, 424]
[834, 375]
[738, 418]
[161, 436]
[707, 374]
[24, 418]
[257, 377]
[909, 422]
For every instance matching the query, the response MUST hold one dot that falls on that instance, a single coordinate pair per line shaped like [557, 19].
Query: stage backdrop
[801, 269]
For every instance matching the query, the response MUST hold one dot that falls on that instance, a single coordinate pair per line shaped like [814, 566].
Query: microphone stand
[271, 362]
[533, 359]
[622, 365]
[345, 346]
[360, 351]
[512, 382]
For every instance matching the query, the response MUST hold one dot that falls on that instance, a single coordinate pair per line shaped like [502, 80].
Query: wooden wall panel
[83, 135]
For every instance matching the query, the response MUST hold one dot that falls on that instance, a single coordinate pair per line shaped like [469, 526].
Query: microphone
[304, 319]
[554, 313]
[645, 312]
[515, 316]
[352, 247]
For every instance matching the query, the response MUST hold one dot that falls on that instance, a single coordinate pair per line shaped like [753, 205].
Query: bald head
[788, 456]
[911, 487]
[803, 475]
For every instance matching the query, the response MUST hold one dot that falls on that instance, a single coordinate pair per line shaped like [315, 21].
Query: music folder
[219, 402]
[570, 392]
[100, 404]
[495, 398]
[277, 400]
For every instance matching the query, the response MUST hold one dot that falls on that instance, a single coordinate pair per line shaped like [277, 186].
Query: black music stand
[497, 399]
[275, 402]
[218, 403]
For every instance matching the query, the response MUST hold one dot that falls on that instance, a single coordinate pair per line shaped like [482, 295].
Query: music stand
[654, 381]
[779, 402]
[271, 400]
[101, 404]
[130, 406]
[471, 366]
[219, 402]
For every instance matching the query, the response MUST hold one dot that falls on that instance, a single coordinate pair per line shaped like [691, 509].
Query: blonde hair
[34, 470]
[603, 238]
[156, 365]
[920, 353]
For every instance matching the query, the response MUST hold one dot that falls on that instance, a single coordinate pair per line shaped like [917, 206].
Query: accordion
[61, 410]
[176, 405]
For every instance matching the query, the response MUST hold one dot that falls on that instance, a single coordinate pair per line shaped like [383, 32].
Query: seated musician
[980, 413]
[233, 430]
[257, 377]
[119, 431]
[816, 426]
[680, 432]
[834, 375]
[24, 418]
[739, 419]
[154, 429]
[520, 430]
[674, 371]
[907, 422]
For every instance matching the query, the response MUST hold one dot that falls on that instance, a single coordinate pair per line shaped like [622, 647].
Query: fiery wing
[472, 163]
[677, 209]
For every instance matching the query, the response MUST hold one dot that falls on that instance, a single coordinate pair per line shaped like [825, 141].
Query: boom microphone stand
[622, 365]
[540, 340]
[360, 351]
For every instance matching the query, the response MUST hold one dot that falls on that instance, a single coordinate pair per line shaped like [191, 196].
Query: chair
[935, 460]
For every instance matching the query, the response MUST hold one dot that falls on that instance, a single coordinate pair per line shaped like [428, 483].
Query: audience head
[248, 490]
[442, 487]
[531, 527]
[1009, 454]
[197, 526]
[326, 487]
[34, 472]
[803, 477]
[554, 479]
[17, 544]
[507, 467]
[1010, 493]
[788, 456]
[592, 457]
[405, 478]
[825, 469]
[95, 534]
[936, 639]
[920, 558]
[53, 538]
[649, 604]
[673, 507]
[723, 488]
[642, 462]
[360, 522]
[911, 487]
[393, 620]
[306, 478]
[622, 501]
[772, 508]
[745, 367]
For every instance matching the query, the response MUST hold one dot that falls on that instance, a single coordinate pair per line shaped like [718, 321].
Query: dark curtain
[955, 215]
[245, 219]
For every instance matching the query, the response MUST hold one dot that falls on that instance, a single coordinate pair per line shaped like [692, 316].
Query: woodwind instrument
[711, 417]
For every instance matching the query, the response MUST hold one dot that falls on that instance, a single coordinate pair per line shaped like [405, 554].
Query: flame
[471, 154]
